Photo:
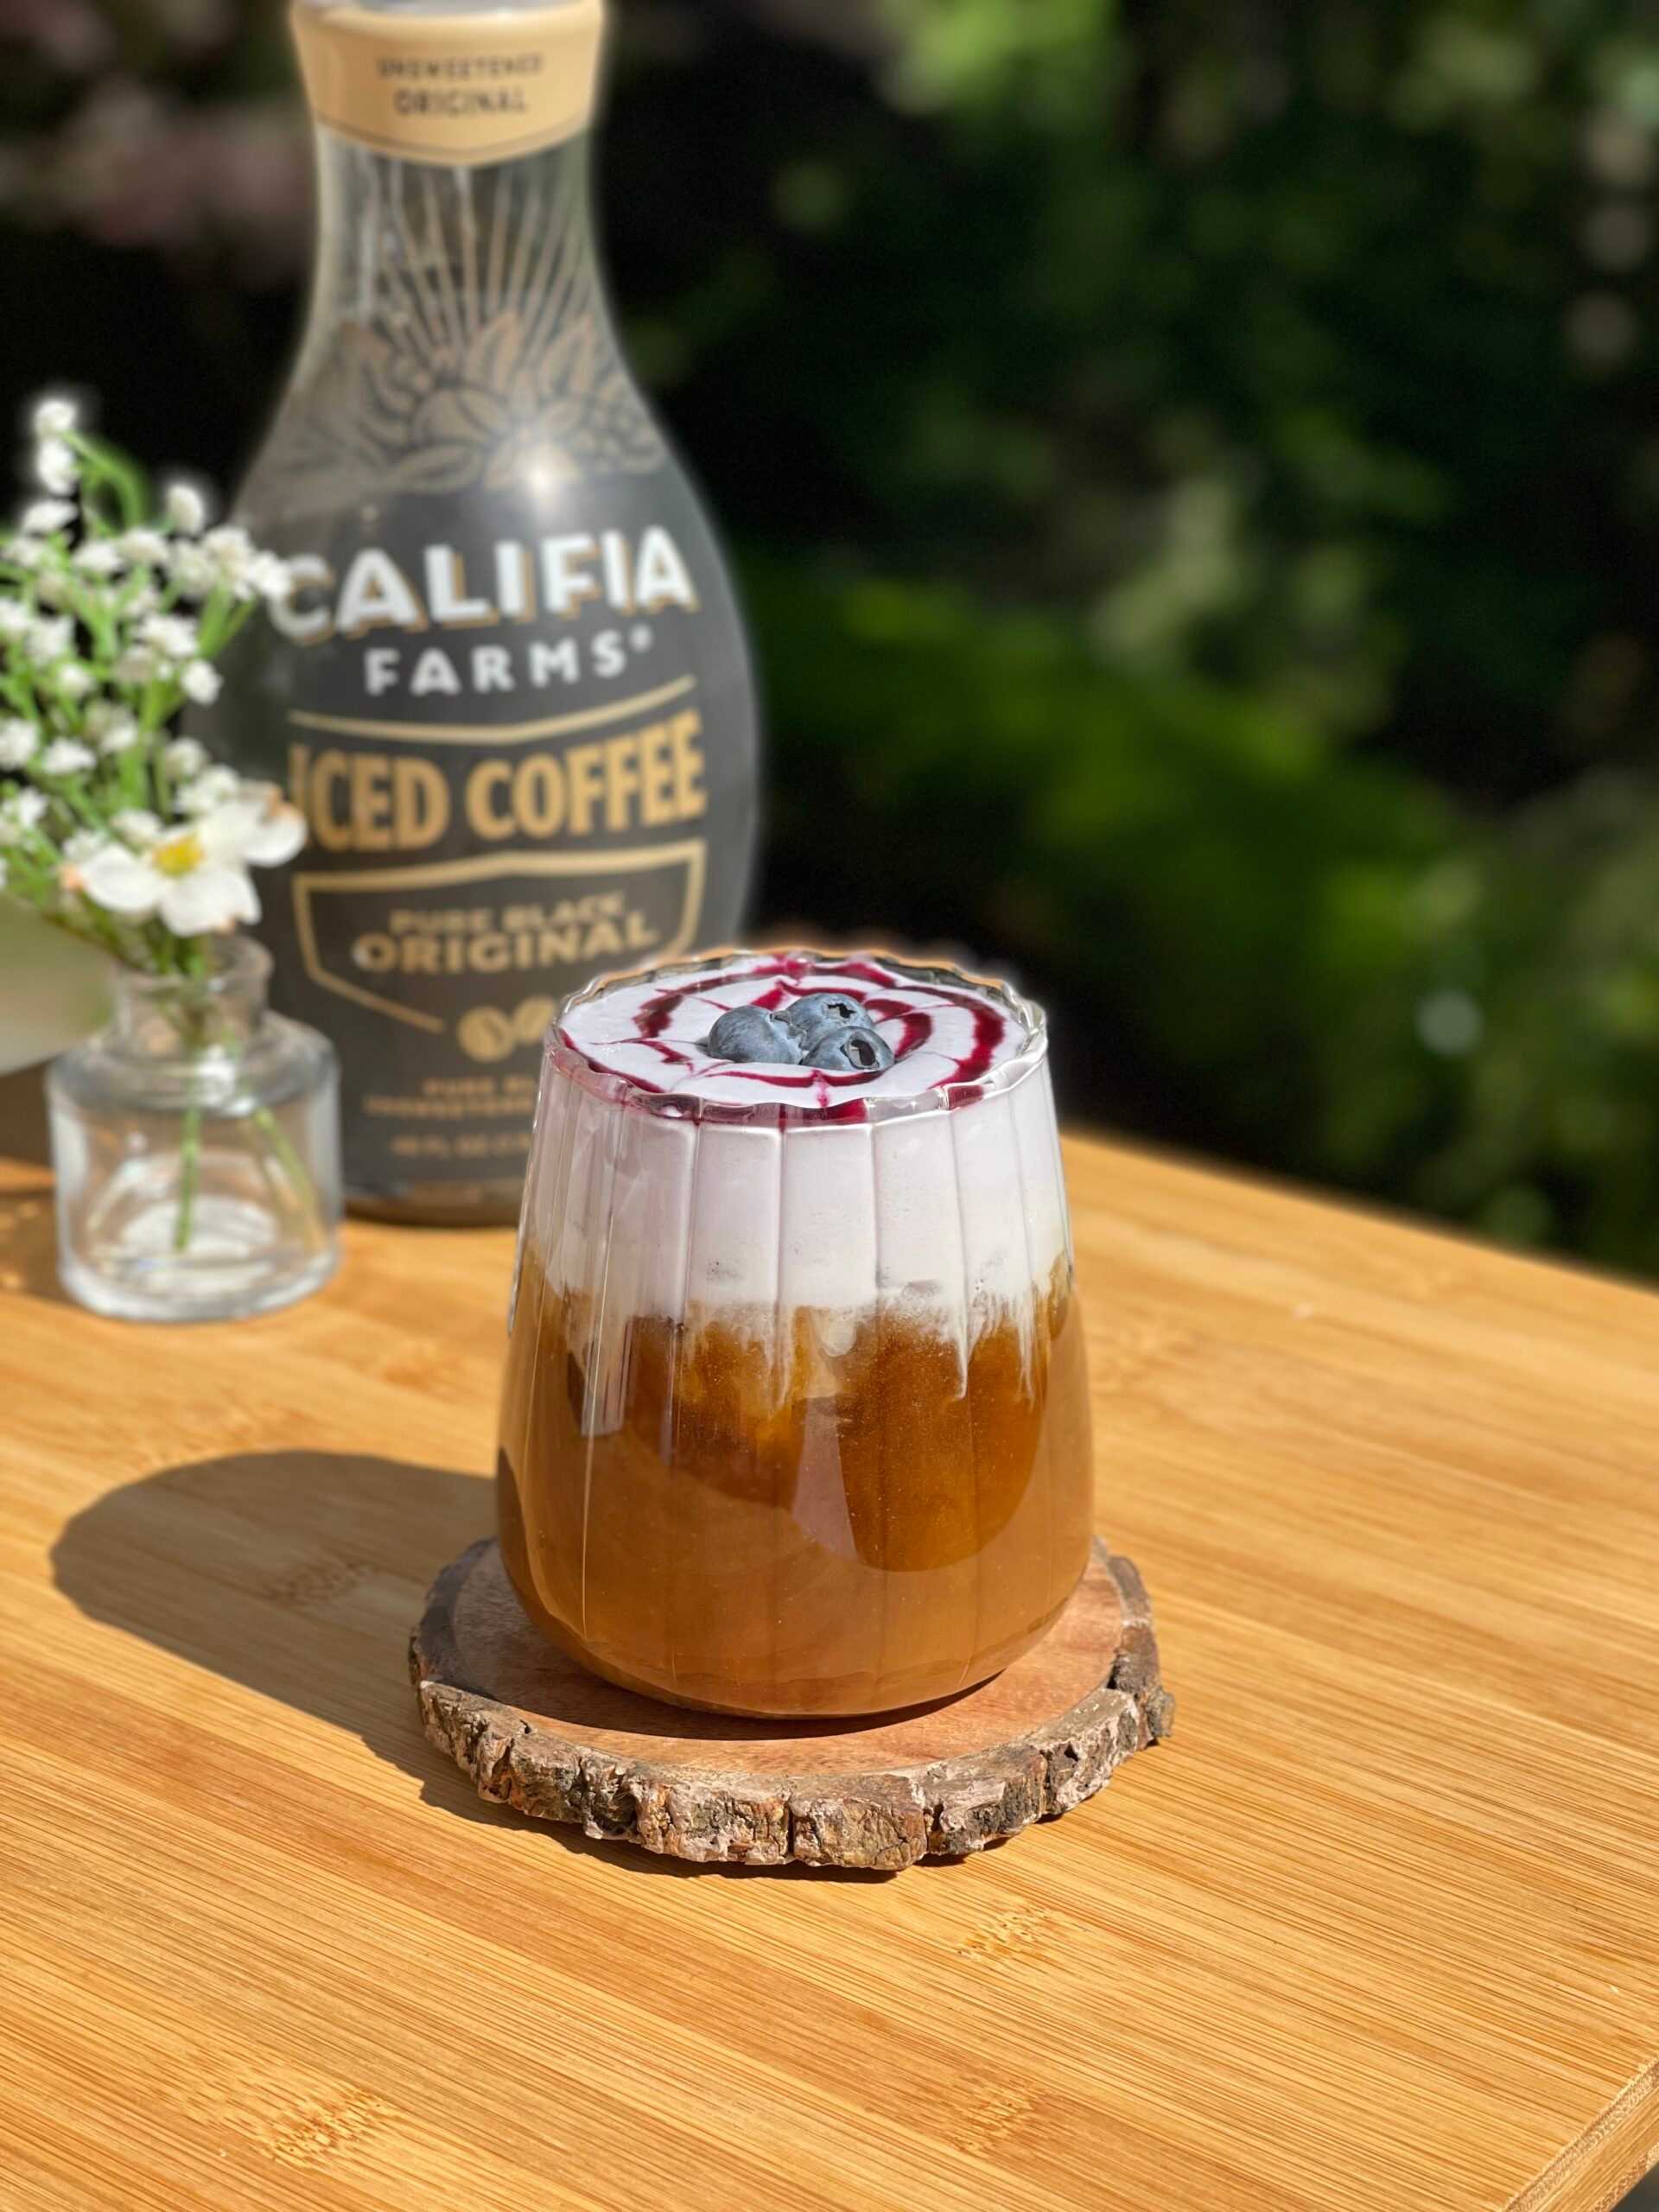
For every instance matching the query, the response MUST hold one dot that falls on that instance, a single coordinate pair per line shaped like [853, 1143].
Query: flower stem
[189, 1176]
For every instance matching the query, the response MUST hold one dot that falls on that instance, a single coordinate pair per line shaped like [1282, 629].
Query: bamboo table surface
[1378, 1930]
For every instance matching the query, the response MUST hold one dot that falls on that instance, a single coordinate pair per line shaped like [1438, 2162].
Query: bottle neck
[453, 273]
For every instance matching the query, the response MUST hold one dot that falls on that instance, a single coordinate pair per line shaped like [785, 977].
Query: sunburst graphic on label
[485, 356]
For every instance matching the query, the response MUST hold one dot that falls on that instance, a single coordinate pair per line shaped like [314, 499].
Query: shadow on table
[251, 1566]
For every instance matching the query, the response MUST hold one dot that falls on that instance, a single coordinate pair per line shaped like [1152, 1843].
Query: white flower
[145, 600]
[55, 417]
[145, 548]
[185, 757]
[195, 573]
[171, 636]
[185, 508]
[83, 846]
[231, 546]
[20, 814]
[52, 588]
[15, 618]
[67, 756]
[196, 877]
[213, 788]
[202, 682]
[136, 666]
[51, 639]
[74, 679]
[273, 579]
[119, 734]
[17, 742]
[57, 466]
[23, 553]
[45, 516]
[138, 825]
[100, 557]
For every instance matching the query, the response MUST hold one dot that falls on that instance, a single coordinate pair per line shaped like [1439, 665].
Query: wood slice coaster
[535, 1731]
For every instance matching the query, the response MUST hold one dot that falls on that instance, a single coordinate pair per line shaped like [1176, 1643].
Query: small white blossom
[52, 588]
[100, 557]
[51, 639]
[185, 508]
[185, 757]
[197, 878]
[145, 548]
[195, 572]
[119, 734]
[43, 517]
[67, 756]
[272, 577]
[74, 679]
[18, 741]
[202, 682]
[20, 814]
[146, 600]
[138, 825]
[23, 553]
[229, 545]
[136, 666]
[171, 636]
[212, 788]
[57, 466]
[15, 618]
[55, 417]
[83, 846]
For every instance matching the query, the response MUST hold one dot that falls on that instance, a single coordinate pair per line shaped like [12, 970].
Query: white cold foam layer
[943, 1040]
[957, 1215]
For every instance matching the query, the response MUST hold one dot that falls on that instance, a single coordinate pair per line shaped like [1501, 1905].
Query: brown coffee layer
[830, 1514]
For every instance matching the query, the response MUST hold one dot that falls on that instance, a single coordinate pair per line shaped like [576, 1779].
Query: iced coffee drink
[796, 1418]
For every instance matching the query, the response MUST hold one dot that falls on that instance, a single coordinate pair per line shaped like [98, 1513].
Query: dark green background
[1196, 474]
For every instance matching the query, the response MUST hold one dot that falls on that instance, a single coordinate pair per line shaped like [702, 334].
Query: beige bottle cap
[453, 83]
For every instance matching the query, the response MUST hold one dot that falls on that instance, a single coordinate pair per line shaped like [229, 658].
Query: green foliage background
[1197, 471]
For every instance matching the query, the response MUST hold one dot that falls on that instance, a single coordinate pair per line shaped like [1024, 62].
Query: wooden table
[1378, 1930]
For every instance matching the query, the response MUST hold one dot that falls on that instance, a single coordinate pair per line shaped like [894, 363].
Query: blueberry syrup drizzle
[799, 977]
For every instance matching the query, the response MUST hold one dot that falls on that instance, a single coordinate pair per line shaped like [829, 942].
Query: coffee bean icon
[487, 1034]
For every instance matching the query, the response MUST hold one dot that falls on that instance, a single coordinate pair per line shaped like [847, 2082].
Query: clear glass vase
[196, 1144]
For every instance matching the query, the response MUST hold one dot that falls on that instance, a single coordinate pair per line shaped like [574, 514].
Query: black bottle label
[511, 691]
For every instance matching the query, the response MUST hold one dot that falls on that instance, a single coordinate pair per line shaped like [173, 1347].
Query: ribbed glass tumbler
[796, 1415]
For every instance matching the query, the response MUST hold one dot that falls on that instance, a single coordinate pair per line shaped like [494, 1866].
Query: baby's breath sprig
[113, 611]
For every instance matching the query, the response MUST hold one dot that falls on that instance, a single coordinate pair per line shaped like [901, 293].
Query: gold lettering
[371, 802]
[622, 781]
[335, 836]
[689, 797]
[482, 814]
[584, 773]
[420, 805]
[538, 795]
[655, 777]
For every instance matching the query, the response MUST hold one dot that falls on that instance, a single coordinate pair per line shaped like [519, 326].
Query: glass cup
[796, 1415]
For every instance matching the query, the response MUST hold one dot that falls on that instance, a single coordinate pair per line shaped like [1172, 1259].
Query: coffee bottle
[511, 689]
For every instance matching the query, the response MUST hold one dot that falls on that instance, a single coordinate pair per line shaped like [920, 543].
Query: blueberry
[749, 1033]
[851, 1051]
[813, 1018]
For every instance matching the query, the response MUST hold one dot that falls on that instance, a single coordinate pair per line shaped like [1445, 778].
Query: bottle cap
[456, 82]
